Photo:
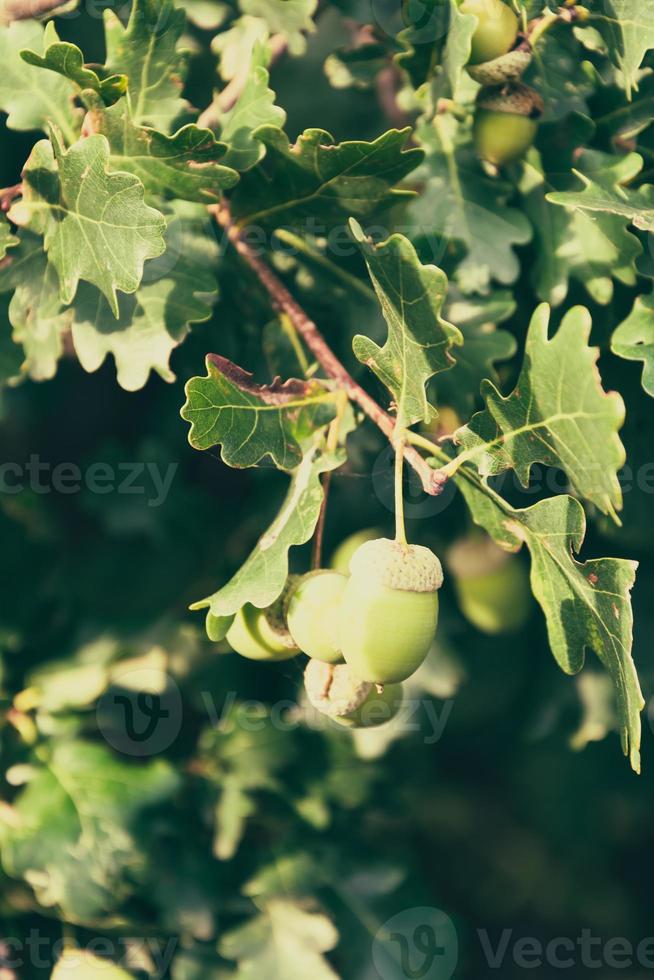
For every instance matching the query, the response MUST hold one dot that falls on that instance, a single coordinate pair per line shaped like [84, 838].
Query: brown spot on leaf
[276, 393]
[592, 578]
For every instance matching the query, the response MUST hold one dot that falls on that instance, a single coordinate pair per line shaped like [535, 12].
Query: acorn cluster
[365, 632]
[507, 111]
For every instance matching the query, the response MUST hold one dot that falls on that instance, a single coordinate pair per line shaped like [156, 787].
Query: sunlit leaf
[551, 418]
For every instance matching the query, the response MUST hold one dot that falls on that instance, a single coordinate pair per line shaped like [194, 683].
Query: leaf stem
[434, 449]
[447, 469]
[303, 248]
[432, 481]
[295, 343]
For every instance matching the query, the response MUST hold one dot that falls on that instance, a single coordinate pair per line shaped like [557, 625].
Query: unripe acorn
[340, 560]
[261, 634]
[389, 610]
[313, 614]
[506, 122]
[335, 691]
[492, 585]
[496, 31]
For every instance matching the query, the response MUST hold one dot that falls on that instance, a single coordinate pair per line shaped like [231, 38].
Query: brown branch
[432, 481]
[26, 9]
[332, 445]
[8, 194]
[319, 533]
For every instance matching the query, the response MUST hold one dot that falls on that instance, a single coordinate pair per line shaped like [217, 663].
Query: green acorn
[335, 691]
[313, 614]
[492, 585]
[262, 634]
[340, 560]
[506, 121]
[496, 31]
[508, 67]
[389, 610]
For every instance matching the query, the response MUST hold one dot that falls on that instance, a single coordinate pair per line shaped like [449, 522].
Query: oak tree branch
[432, 481]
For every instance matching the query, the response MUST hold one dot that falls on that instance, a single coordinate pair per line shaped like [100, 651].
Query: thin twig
[316, 552]
[299, 246]
[26, 9]
[564, 15]
[332, 444]
[432, 481]
[9, 194]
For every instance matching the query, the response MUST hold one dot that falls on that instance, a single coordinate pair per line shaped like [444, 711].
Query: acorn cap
[517, 100]
[276, 613]
[333, 689]
[507, 68]
[406, 567]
